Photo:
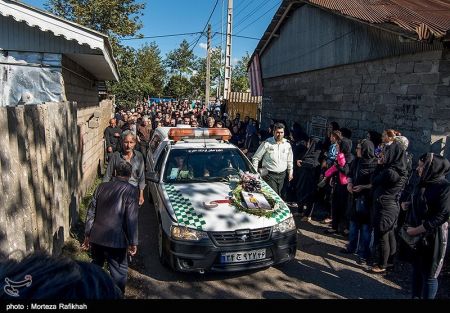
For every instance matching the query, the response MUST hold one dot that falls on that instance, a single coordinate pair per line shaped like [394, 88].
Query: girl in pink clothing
[340, 159]
[340, 192]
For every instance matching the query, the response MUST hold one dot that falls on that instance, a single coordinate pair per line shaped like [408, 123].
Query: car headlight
[285, 226]
[184, 233]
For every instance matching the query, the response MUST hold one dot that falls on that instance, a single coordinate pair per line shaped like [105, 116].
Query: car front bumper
[206, 256]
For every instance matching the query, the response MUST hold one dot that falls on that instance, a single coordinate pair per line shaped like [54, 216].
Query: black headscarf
[435, 168]
[367, 163]
[375, 137]
[395, 158]
[312, 154]
[345, 147]
[367, 150]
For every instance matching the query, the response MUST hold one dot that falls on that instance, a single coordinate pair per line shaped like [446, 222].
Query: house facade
[320, 60]
[52, 118]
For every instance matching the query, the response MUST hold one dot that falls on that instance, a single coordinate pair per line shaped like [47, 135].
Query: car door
[155, 188]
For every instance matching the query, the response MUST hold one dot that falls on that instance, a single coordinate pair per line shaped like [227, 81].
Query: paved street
[319, 271]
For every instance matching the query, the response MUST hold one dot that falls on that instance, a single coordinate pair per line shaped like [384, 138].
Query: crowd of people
[371, 192]
[373, 196]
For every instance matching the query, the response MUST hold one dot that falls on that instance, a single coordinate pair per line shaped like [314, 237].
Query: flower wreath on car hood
[250, 183]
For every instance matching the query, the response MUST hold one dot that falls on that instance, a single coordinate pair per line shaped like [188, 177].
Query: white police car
[207, 222]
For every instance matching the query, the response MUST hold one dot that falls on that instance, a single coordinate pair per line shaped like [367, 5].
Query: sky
[166, 17]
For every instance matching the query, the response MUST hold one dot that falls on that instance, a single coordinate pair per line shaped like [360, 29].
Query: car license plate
[244, 256]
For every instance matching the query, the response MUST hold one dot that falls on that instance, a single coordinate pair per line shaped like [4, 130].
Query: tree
[141, 71]
[198, 80]
[115, 18]
[179, 87]
[239, 77]
[180, 60]
[127, 90]
[150, 69]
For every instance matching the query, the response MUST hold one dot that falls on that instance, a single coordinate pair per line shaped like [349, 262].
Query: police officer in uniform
[276, 156]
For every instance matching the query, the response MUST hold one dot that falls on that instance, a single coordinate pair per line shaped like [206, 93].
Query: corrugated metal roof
[426, 18]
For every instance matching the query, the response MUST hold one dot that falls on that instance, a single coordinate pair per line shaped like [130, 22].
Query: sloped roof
[414, 19]
[104, 68]
[426, 18]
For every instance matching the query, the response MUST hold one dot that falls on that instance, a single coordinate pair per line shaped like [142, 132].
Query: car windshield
[204, 165]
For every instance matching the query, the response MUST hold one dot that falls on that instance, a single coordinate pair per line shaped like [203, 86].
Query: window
[204, 165]
[160, 161]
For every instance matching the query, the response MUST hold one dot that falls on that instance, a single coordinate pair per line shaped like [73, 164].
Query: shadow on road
[320, 271]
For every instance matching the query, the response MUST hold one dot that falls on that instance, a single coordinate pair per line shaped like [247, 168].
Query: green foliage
[127, 89]
[239, 77]
[141, 74]
[179, 87]
[237, 200]
[115, 18]
[199, 79]
[150, 69]
[141, 71]
[181, 60]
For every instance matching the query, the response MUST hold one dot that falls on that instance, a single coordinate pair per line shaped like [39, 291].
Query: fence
[244, 104]
[41, 174]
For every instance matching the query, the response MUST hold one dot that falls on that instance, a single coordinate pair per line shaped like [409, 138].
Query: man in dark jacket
[112, 138]
[112, 224]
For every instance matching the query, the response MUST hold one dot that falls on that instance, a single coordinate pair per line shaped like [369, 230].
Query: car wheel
[162, 252]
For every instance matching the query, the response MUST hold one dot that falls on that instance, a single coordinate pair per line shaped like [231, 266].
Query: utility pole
[219, 88]
[208, 66]
[227, 82]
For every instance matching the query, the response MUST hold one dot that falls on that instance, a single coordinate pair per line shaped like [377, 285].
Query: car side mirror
[153, 177]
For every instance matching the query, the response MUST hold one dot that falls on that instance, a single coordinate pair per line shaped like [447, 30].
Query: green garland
[237, 201]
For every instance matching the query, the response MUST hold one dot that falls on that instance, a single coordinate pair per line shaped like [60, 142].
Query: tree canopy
[143, 72]
[181, 59]
[239, 77]
[115, 18]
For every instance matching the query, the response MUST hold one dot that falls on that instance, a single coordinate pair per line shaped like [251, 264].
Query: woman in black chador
[387, 183]
[360, 176]
[308, 175]
[428, 216]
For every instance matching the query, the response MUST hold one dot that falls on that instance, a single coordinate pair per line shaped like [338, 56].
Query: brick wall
[410, 93]
[92, 122]
[79, 84]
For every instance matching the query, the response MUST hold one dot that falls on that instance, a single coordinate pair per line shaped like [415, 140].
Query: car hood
[191, 205]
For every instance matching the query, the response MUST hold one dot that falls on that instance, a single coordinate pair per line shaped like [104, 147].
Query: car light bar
[177, 134]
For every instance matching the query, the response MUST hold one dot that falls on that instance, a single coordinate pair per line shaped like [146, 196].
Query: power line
[242, 20]
[265, 13]
[238, 12]
[161, 36]
[235, 10]
[184, 34]
[246, 37]
[206, 25]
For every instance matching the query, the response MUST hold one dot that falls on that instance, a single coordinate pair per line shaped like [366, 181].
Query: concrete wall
[410, 93]
[49, 157]
[39, 177]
